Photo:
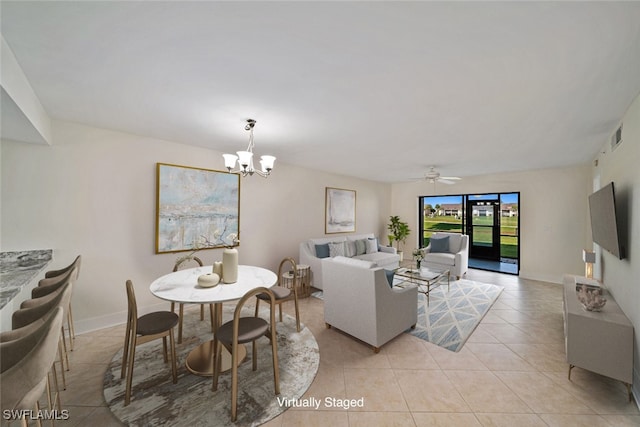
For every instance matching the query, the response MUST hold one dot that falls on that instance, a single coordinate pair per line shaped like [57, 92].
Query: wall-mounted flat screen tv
[604, 226]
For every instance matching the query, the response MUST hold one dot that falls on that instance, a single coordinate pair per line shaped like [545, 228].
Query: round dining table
[182, 287]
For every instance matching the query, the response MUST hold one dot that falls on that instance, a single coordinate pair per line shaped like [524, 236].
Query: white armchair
[455, 257]
[359, 301]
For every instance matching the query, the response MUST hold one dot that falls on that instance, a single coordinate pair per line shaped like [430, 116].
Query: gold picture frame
[340, 210]
[194, 206]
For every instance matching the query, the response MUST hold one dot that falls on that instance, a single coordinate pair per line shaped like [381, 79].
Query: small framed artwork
[195, 208]
[340, 210]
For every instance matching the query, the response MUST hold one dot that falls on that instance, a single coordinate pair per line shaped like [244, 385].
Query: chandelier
[245, 158]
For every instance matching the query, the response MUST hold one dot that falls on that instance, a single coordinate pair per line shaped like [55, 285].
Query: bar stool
[26, 357]
[50, 277]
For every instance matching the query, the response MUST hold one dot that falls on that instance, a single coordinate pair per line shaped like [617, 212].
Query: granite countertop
[17, 269]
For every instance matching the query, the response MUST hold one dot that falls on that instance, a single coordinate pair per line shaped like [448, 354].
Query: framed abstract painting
[195, 207]
[340, 210]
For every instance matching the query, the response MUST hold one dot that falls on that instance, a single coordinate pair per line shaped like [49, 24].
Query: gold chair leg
[280, 308]
[201, 312]
[64, 347]
[297, 314]
[132, 356]
[61, 356]
[180, 316]
[125, 352]
[257, 306]
[72, 329]
[213, 323]
[274, 351]
[234, 380]
[254, 355]
[174, 362]
[164, 347]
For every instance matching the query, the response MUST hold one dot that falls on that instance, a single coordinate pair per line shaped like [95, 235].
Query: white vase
[217, 268]
[208, 280]
[230, 265]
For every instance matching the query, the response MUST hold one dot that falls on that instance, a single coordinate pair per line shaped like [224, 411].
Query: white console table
[600, 342]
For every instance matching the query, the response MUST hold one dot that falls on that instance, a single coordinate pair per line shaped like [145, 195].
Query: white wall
[622, 277]
[93, 192]
[553, 215]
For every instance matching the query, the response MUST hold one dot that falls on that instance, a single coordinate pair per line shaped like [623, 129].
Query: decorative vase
[217, 268]
[208, 280]
[418, 264]
[230, 265]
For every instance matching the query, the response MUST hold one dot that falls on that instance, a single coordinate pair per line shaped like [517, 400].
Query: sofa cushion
[355, 262]
[381, 258]
[350, 248]
[322, 251]
[372, 245]
[336, 249]
[440, 258]
[439, 244]
[361, 246]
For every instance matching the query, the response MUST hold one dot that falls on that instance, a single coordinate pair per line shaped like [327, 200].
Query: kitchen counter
[18, 269]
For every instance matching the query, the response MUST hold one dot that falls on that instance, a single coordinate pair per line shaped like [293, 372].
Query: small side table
[304, 280]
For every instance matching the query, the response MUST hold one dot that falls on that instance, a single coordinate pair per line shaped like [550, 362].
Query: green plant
[399, 230]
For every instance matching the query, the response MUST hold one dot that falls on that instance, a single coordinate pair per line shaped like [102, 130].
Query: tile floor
[510, 372]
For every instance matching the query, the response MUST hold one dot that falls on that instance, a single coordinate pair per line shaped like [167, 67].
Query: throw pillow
[350, 248]
[322, 251]
[336, 249]
[361, 247]
[372, 245]
[440, 244]
[390, 274]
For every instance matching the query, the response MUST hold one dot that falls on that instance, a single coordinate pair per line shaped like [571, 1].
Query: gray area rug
[452, 316]
[156, 401]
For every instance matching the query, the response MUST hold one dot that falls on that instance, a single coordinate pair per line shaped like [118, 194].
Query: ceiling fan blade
[451, 178]
[445, 181]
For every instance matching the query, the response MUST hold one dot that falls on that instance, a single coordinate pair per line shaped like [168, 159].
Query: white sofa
[383, 256]
[359, 301]
[455, 257]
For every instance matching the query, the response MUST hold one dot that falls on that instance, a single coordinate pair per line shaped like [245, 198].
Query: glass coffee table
[425, 279]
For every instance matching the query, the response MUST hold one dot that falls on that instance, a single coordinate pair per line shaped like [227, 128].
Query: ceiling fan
[433, 176]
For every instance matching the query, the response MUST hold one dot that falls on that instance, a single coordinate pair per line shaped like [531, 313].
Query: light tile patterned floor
[510, 372]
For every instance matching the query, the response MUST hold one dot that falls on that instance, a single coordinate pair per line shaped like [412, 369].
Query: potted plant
[399, 230]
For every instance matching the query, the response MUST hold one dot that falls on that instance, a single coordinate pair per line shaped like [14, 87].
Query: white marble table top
[182, 285]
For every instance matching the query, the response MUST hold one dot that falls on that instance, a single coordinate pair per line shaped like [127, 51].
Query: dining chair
[140, 330]
[176, 267]
[27, 355]
[242, 330]
[36, 309]
[49, 278]
[283, 294]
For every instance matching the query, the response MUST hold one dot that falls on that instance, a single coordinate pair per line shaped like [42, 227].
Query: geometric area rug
[156, 401]
[451, 317]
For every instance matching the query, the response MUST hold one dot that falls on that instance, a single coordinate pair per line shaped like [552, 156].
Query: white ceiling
[377, 90]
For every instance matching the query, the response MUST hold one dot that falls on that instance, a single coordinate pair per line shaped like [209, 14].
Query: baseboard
[551, 278]
[114, 319]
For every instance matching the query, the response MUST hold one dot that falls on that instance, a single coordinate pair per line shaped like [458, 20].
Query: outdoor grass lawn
[508, 231]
